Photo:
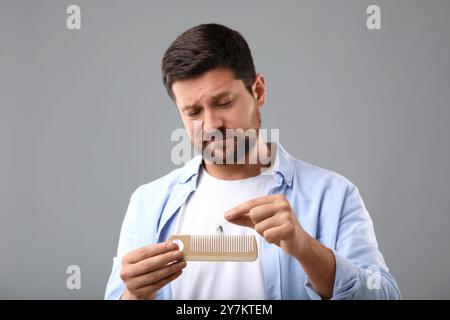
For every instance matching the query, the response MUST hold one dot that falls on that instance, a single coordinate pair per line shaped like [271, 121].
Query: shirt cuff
[346, 283]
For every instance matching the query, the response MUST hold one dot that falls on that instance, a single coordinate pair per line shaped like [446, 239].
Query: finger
[269, 223]
[243, 220]
[150, 289]
[155, 276]
[248, 205]
[155, 263]
[276, 234]
[161, 283]
[149, 251]
[263, 212]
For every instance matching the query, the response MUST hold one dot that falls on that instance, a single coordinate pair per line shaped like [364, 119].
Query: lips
[214, 141]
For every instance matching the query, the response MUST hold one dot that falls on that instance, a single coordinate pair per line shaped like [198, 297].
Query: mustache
[217, 135]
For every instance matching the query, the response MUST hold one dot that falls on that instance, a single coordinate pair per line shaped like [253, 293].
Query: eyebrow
[213, 97]
[220, 95]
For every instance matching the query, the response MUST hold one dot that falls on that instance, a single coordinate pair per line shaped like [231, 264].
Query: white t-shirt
[203, 214]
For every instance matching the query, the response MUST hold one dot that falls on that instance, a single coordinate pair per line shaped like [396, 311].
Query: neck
[241, 171]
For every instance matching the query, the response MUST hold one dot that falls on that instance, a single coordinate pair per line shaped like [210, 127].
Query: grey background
[84, 120]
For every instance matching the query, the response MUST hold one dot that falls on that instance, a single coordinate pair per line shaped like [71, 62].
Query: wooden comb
[217, 247]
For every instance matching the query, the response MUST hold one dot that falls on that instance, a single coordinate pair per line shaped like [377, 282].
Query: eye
[193, 113]
[224, 104]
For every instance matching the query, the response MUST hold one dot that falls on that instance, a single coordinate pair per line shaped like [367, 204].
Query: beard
[229, 145]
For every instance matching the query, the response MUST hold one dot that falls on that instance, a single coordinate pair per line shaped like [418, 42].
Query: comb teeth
[221, 243]
[217, 247]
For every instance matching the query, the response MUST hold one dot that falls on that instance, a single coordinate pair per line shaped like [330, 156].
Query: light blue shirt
[328, 206]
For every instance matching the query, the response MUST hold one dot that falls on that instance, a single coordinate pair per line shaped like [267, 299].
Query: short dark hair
[205, 47]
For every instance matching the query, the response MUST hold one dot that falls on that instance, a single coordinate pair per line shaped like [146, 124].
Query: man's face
[216, 102]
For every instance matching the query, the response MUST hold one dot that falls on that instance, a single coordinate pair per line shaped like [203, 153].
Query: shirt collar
[283, 166]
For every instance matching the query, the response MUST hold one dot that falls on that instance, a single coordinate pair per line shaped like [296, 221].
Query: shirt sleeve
[361, 272]
[127, 242]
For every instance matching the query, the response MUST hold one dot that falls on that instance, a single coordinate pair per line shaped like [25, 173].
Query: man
[315, 236]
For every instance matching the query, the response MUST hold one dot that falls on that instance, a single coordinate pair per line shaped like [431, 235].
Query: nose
[212, 120]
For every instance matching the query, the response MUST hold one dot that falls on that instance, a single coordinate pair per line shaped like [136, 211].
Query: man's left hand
[274, 219]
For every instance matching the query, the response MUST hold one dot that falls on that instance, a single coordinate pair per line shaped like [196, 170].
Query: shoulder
[163, 186]
[315, 178]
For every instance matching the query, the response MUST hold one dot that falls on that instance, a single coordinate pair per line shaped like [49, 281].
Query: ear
[259, 90]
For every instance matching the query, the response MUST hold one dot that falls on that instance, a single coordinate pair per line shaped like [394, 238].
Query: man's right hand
[148, 269]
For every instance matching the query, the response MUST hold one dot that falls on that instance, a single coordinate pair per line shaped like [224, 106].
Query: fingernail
[171, 246]
[176, 254]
